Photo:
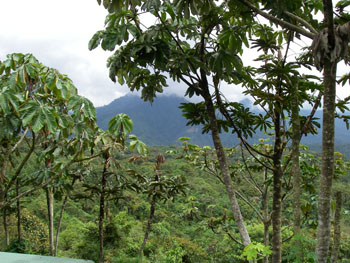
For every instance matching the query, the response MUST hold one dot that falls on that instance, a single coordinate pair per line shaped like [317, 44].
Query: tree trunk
[59, 223]
[149, 225]
[7, 237]
[107, 210]
[60, 218]
[296, 131]
[324, 200]
[19, 232]
[102, 206]
[49, 199]
[327, 172]
[337, 230]
[224, 168]
[267, 219]
[159, 160]
[277, 216]
[277, 192]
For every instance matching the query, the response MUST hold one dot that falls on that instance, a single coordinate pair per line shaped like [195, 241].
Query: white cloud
[58, 32]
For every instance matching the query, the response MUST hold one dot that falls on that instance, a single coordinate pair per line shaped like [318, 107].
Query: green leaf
[95, 40]
[31, 71]
[28, 113]
[120, 125]
[50, 119]
[182, 139]
[38, 122]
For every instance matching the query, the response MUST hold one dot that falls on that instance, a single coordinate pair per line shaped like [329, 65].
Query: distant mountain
[162, 123]
[159, 123]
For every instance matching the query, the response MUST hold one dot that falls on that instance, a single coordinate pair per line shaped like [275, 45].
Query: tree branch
[278, 21]
[24, 161]
[251, 205]
[302, 21]
[20, 140]
[249, 148]
[177, 43]
[4, 203]
[250, 174]
[309, 118]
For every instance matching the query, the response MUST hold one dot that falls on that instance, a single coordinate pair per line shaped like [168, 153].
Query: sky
[57, 33]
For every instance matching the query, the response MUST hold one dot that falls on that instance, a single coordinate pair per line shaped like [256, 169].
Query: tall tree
[198, 42]
[329, 47]
[182, 46]
[39, 101]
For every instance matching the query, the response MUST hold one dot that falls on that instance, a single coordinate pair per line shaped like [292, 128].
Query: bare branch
[307, 123]
[250, 174]
[251, 205]
[20, 167]
[233, 238]
[302, 21]
[20, 140]
[278, 21]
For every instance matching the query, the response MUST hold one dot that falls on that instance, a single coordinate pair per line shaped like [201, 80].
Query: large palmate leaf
[10, 101]
[80, 104]
[140, 146]
[120, 125]
[38, 116]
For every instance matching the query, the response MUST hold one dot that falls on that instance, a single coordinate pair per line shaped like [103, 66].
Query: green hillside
[162, 123]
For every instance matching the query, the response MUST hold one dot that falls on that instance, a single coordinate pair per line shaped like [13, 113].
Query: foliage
[19, 247]
[255, 251]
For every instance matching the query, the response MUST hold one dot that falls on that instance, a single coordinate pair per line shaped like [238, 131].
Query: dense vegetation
[110, 199]
[196, 227]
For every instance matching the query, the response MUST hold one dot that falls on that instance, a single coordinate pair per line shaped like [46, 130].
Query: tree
[160, 188]
[42, 117]
[329, 47]
[151, 52]
[202, 51]
[38, 104]
[106, 145]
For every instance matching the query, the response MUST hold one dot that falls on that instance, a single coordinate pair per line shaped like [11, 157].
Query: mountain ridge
[162, 123]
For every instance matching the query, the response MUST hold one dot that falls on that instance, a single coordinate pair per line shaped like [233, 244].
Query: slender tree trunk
[102, 206]
[337, 230]
[324, 200]
[19, 232]
[59, 223]
[266, 239]
[277, 216]
[296, 131]
[60, 219]
[159, 160]
[4, 216]
[107, 210]
[100, 226]
[49, 199]
[149, 225]
[277, 192]
[267, 219]
[224, 168]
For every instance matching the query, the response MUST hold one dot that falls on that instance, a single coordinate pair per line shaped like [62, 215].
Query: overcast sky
[57, 32]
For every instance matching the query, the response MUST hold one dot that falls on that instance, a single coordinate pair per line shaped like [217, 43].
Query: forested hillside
[194, 226]
[164, 118]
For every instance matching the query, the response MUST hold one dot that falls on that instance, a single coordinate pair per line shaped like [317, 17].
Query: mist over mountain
[162, 123]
